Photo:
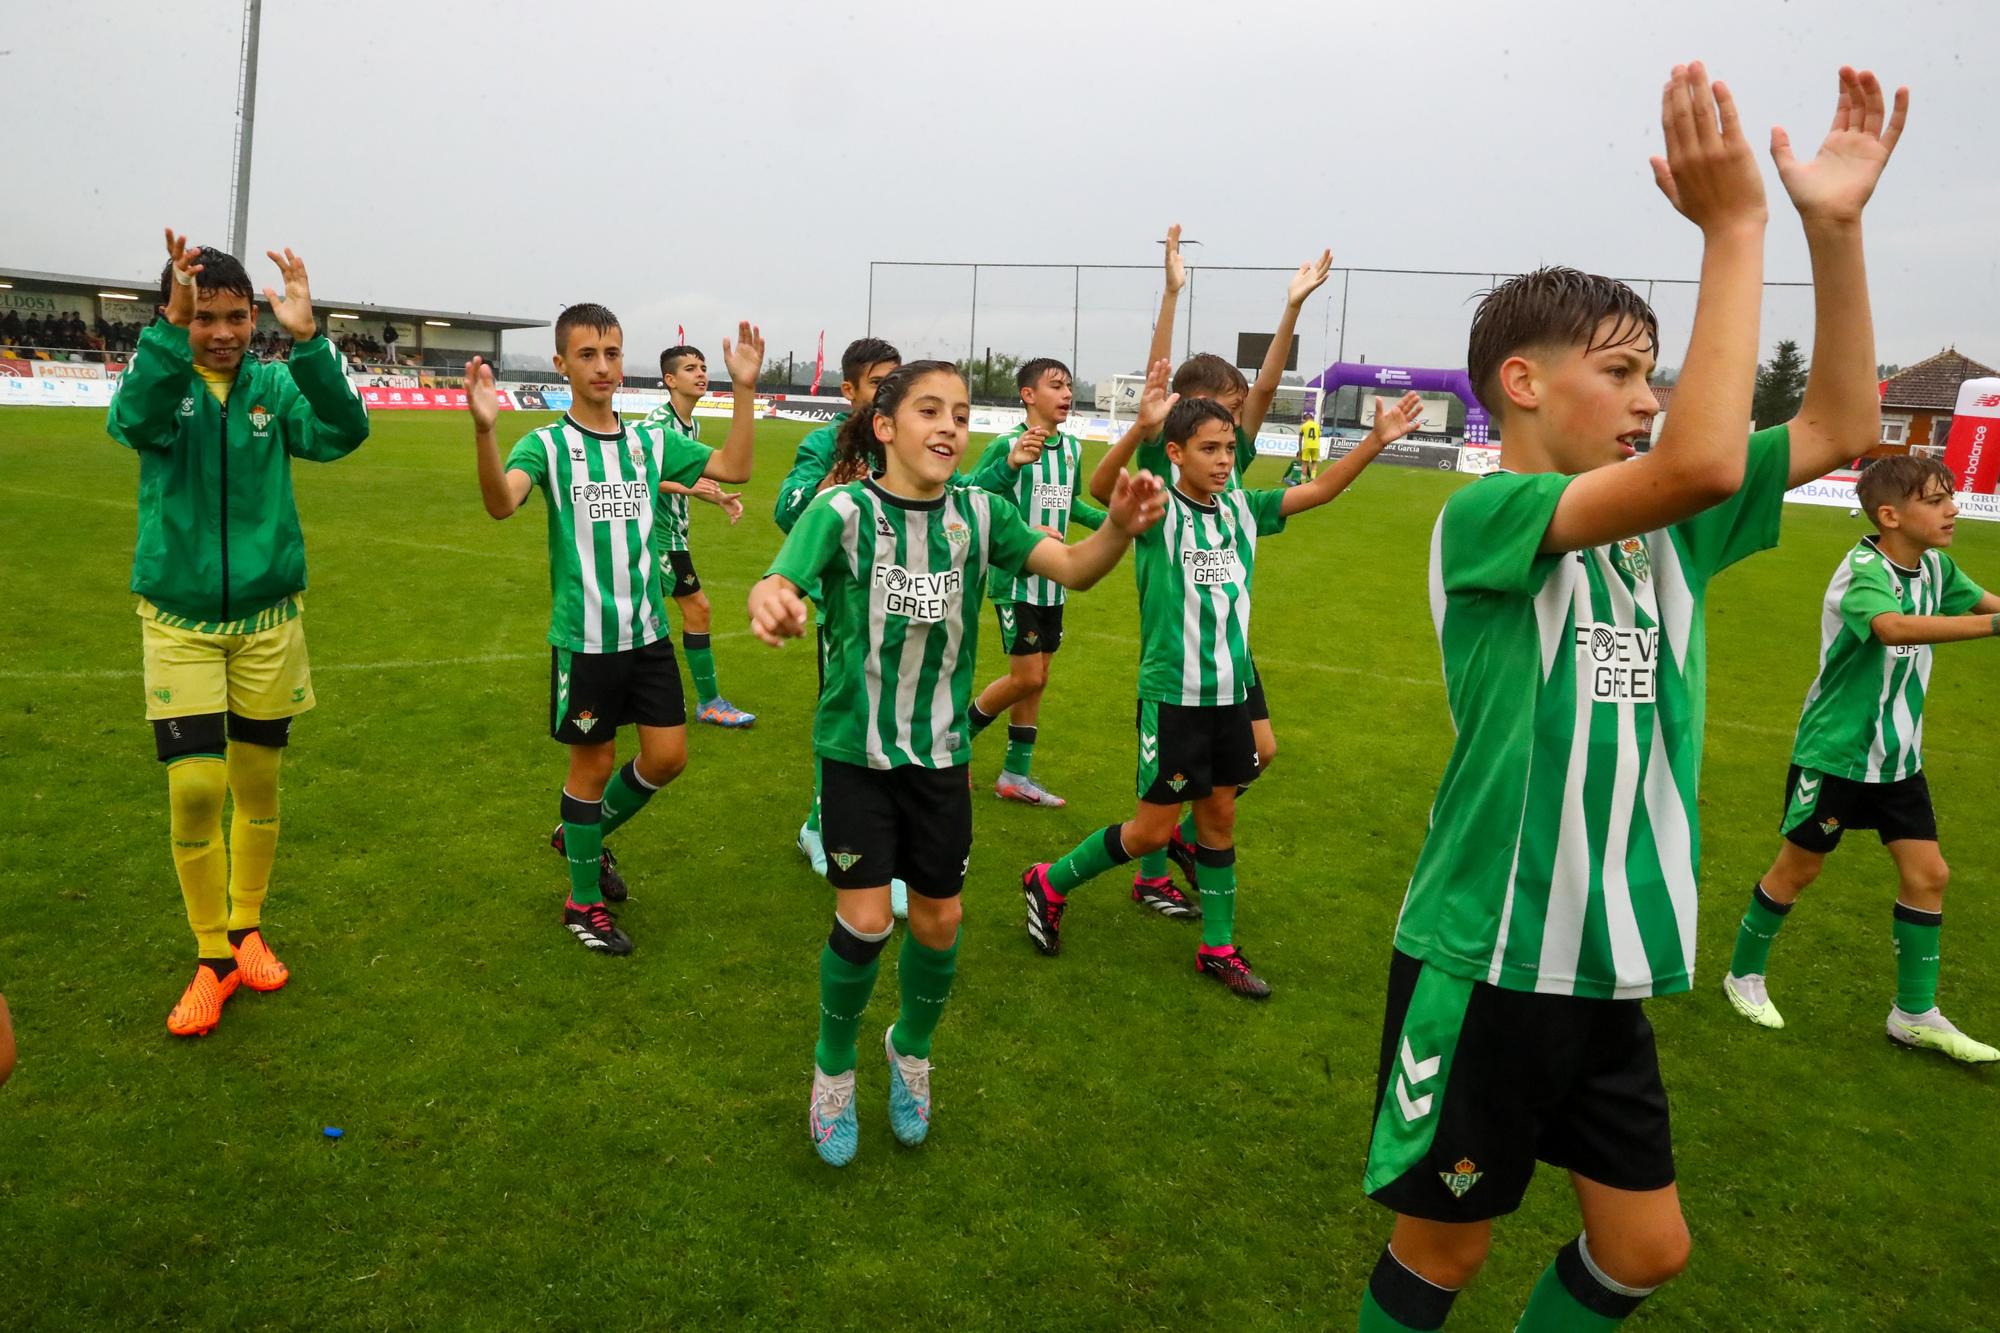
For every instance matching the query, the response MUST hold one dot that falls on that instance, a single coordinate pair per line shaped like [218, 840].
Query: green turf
[538, 1136]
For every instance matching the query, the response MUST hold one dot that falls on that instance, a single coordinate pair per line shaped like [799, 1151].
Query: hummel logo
[1808, 788]
[562, 680]
[845, 860]
[882, 527]
[1864, 558]
[1415, 1071]
[1007, 618]
[1149, 747]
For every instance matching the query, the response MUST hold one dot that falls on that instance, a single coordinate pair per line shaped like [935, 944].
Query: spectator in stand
[10, 328]
[31, 332]
[389, 336]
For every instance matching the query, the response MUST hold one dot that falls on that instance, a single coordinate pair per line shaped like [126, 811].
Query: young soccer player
[863, 367]
[1857, 762]
[897, 561]
[611, 663]
[220, 572]
[685, 370]
[1035, 465]
[1195, 743]
[1556, 886]
[1309, 448]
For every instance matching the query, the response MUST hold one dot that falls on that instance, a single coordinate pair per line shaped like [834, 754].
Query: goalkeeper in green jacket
[220, 574]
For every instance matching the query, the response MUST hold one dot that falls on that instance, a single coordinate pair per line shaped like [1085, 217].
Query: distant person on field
[220, 571]
[6, 1042]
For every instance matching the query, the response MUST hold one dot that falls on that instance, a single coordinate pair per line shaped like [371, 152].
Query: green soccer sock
[1574, 1296]
[1089, 859]
[624, 796]
[1020, 750]
[583, 841]
[1153, 865]
[1215, 880]
[925, 976]
[847, 966]
[1754, 936]
[1399, 1301]
[1916, 935]
[701, 665]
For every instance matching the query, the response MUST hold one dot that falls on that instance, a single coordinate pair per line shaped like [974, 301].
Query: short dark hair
[585, 314]
[1188, 414]
[856, 451]
[1031, 372]
[1897, 478]
[1206, 375]
[1552, 307]
[220, 272]
[673, 354]
[863, 353]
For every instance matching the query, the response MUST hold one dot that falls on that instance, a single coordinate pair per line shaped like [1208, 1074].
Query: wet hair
[1207, 375]
[584, 314]
[1031, 372]
[220, 272]
[1897, 478]
[856, 451]
[863, 353]
[673, 354]
[1553, 307]
[1186, 416]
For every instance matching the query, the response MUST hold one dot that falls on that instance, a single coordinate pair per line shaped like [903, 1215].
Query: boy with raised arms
[611, 663]
[1556, 885]
[220, 573]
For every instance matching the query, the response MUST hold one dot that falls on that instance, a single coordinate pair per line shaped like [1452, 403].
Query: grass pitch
[536, 1136]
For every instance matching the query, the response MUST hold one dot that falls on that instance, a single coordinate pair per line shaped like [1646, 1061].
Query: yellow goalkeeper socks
[195, 787]
[253, 829]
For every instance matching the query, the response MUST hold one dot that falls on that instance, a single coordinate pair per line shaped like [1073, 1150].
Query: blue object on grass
[331, 1131]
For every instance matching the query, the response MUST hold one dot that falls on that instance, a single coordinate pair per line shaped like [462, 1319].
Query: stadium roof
[1932, 383]
[146, 288]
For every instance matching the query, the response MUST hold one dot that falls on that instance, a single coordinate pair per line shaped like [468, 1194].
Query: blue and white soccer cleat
[812, 849]
[909, 1094]
[835, 1132]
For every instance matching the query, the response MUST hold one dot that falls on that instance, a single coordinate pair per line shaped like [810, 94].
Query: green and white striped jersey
[900, 584]
[1152, 456]
[1565, 837]
[1194, 568]
[670, 512]
[1049, 494]
[604, 576]
[1864, 715]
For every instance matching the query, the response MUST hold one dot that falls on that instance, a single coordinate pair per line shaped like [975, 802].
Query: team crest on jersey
[1828, 825]
[584, 721]
[1462, 1177]
[845, 860]
[957, 533]
[164, 696]
[1177, 781]
[1631, 557]
[260, 418]
[187, 406]
[637, 455]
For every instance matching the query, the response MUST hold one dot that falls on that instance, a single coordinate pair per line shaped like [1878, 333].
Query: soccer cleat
[595, 928]
[1232, 969]
[1749, 998]
[1164, 897]
[1044, 913]
[722, 713]
[1932, 1031]
[1181, 852]
[609, 882]
[200, 1008]
[813, 849]
[257, 965]
[899, 898]
[835, 1134]
[909, 1094]
[1019, 787]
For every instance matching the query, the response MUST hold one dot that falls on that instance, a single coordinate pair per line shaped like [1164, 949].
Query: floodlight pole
[246, 123]
[972, 335]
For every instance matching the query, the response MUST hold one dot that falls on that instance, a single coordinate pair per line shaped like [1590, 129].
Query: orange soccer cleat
[257, 965]
[200, 1008]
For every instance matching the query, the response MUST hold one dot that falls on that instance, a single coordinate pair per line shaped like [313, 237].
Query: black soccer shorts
[686, 582]
[1821, 807]
[591, 695]
[909, 822]
[1026, 629]
[1186, 752]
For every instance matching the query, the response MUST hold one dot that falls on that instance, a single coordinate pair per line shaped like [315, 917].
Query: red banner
[1972, 451]
[431, 399]
[819, 361]
[17, 367]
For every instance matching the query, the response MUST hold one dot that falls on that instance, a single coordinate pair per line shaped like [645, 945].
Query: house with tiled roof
[1917, 401]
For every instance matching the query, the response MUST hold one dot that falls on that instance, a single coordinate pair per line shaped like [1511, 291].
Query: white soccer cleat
[1748, 997]
[1014, 787]
[812, 848]
[1932, 1031]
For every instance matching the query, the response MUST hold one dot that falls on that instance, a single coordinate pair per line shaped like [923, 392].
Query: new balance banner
[1972, 450]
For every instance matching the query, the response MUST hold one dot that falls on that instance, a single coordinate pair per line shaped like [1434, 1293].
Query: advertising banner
[1403, 453]
[1478, 460]
[1836, 491]
[68, 370]
[17, 367]
[1972, 450]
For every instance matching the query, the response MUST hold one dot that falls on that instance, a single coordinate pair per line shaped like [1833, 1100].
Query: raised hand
[293, 310]
[1137, 503]
[180, 294]
[1154, 400]
[732, 505]
[1709, 174]
[777, 612]
[481, 398]
[1836, 183]
[1309, 278]
[1028, 447]
[744, 357]
[1394, 421]
[1176, 271]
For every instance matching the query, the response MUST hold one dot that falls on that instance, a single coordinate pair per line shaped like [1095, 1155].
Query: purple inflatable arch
[1387, 380]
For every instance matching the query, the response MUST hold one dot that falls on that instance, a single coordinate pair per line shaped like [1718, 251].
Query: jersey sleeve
[1959, 595]
[143, 409]
[1085, 514]
[812, 544]
[1267, 510]
[1490, 533]
[681, 460]
[1747, 522]
[1246, 451]
[1008, 536]
[991, 472]
[530, 457]
[801, 484]
[1870, 592]
[326, 419]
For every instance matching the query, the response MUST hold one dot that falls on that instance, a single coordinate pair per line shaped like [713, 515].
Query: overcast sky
[690, 166]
